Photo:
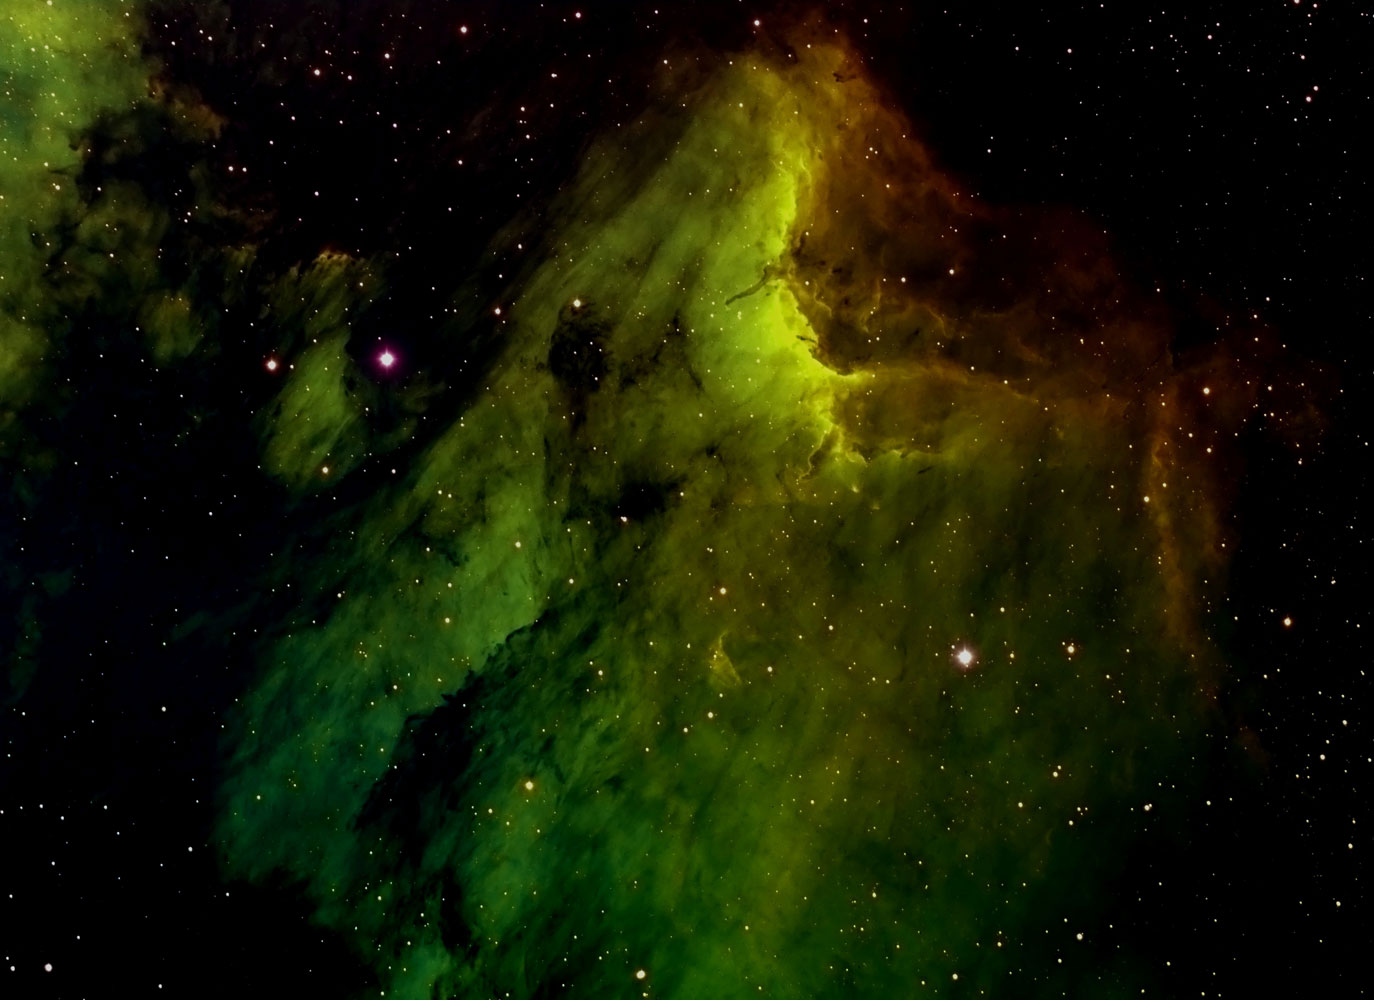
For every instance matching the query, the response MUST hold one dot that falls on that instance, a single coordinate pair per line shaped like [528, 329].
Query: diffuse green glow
[61, 67]
[710, 558]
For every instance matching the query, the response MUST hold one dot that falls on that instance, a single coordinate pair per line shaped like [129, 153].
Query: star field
[595, 499]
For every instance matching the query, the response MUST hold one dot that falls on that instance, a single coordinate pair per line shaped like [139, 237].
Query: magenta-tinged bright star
[386, 359]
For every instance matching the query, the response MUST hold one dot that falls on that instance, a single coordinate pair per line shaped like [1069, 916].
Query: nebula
[646, 669]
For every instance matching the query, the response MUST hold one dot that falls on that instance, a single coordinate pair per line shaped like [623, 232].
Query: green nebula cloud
[643, 674]
[62, 66]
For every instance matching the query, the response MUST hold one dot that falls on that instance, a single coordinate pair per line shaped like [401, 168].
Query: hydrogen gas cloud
[769, 567]
[644, 662]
